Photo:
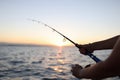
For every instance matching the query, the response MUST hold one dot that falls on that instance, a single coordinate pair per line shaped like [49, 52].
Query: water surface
[43, 62]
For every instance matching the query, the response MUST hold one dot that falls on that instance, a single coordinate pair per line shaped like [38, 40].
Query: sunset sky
[83, 21]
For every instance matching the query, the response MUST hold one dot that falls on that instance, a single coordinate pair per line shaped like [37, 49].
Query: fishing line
[87, 52]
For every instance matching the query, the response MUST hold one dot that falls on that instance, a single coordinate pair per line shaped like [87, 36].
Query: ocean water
[43, 62]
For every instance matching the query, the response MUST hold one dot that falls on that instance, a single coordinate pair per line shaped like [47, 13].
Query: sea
[43, 62]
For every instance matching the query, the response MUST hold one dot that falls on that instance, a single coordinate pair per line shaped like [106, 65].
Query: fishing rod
[77, 45]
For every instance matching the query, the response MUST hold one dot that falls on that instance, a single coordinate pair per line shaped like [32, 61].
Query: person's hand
[76, 70]
[84, 49]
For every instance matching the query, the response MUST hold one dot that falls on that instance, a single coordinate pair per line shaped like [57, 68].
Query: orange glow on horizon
[52, 41]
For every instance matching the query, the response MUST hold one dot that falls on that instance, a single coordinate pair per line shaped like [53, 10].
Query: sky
[83, 21]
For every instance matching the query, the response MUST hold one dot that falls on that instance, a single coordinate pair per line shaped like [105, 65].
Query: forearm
[105, 44]
[98, 71]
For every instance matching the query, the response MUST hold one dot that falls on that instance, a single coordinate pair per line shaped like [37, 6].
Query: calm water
[42, 63]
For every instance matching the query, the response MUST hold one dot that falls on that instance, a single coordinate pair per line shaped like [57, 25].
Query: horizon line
[27, 44]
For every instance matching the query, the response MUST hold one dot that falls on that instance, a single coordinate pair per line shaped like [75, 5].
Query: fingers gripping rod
[88, 53]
